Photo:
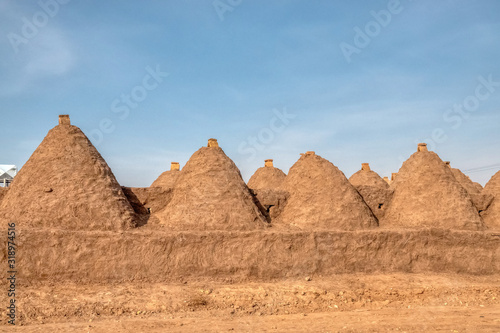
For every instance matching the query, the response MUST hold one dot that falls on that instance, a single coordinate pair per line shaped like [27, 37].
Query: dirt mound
[67, 184]
[321, 198]
[426, 194]
[266, 185]
[374, 190]
[168, 178]
[210, 194]
[491, 215]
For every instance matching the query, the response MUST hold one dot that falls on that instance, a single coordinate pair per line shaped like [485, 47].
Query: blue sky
[356, 82]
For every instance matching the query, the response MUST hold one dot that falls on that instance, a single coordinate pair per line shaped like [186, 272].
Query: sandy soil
[344, 303]
[427, 319]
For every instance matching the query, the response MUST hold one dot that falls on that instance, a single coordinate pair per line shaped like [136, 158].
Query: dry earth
[343, 303]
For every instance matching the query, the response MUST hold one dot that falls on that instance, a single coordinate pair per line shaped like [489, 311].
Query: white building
[7, 173]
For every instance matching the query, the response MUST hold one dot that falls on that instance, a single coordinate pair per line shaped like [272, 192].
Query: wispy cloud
[46, 55]
[49, 55]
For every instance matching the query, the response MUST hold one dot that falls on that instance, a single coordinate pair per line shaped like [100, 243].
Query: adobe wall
[162, 256]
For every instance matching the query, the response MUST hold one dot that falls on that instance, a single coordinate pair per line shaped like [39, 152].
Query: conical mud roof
[466, 182]
[266, 186]
[267, 177]
[373, 189]
[66, 184]
[211, 195]
[491, 215]
[367, 177]
[475, 190]
[321, 198]
[426, 194]
[3, 192]
[168, 178]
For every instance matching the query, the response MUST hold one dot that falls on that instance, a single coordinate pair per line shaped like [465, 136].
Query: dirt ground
[341, 303]
[428, 319]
